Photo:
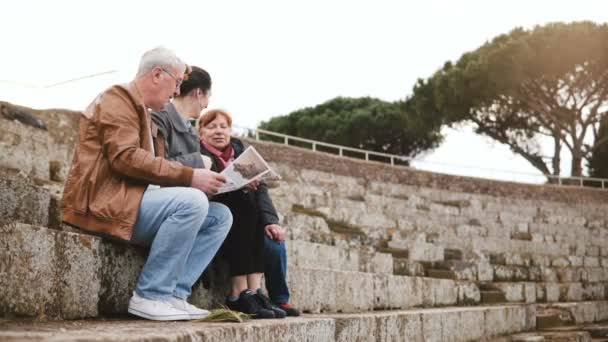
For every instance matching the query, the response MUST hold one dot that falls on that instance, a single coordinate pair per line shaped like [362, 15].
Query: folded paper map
[248, 167]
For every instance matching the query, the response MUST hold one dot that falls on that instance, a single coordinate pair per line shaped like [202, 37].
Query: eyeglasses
[178, 81]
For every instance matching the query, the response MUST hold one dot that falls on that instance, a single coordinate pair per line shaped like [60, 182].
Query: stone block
[571, 292]
[440, 292]
[510, 273]
[22, 200]
[541, 293]
[586, 312]
[502, 320]
[575, 261]
[307, 254]
[593, 251]
[468, 293]
[541, 260]
[523, 227]
[529, 293]
[375, 262]
[593, 291]
[397, 292]
[25, 149]
[514, 292]
[462, 270]
[568, 274]
[485, 271]
[47, 273]
[552, 292]
[121, 265]
[383, 326]
[591, 262]
[355, 293]
[593, 275]
[422, 251]
[560, 262]
[548, 274]
[79, 270]
[402, 266]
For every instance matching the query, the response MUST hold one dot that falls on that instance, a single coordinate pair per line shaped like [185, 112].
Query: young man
[114, 189]
[182, 144]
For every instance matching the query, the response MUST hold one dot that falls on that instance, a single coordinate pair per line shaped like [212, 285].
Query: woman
[252, 212]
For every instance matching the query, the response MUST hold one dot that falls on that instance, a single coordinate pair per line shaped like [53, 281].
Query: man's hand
[275, 232]
[207, 181]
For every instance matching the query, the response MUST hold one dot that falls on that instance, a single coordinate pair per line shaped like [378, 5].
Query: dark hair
[197, 79]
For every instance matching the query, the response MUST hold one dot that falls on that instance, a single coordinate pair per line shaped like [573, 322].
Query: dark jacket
[181, 141]
[113, 164]
[267, 212]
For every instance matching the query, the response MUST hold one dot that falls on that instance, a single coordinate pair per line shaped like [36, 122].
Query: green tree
[365, 123]
[551, 81]
[598, 163]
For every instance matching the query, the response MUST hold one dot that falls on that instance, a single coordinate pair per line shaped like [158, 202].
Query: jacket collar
[135, 94]
[179, 123]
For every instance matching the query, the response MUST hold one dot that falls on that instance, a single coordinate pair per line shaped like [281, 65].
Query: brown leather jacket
[113, 164]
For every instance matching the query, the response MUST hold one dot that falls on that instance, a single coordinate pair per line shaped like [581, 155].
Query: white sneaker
[183, 305]
[158, 310]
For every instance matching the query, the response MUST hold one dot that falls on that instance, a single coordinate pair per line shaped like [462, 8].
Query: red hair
[211, 115]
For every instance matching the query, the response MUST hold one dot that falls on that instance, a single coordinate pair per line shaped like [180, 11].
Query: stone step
[440, 274]
[492, 296]
[517, 292]
[79, 275]
[25, 148]
[452, 254]
[453, 324]
[552, 336]
[308, 254]
[403, 266]
[462, 270]
[555, 331]
[23, 199]
[43, 154]
[314, 290]
[579, 312]
[550, 320]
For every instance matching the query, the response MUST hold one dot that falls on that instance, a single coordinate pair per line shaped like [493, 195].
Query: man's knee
[222, 214]
[194, 199]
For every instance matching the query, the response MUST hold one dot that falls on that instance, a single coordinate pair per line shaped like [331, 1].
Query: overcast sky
[268, 58]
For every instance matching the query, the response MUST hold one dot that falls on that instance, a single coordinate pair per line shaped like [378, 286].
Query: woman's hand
[275, 232]
[253, 186]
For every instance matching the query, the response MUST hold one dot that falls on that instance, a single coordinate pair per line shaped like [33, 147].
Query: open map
[248, 167]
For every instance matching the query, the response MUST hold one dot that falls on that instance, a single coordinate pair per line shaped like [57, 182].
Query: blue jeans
[184, 231]
[275, 270]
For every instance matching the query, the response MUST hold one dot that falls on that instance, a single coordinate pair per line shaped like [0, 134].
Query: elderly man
[117, 187]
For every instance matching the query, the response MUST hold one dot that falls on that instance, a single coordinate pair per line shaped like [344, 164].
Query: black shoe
[265, 302]
[248, 303]
[290, 310]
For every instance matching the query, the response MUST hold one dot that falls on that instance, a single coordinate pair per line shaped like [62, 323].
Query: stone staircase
[375, 253]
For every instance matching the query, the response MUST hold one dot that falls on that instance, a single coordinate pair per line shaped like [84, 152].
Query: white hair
[158, 57]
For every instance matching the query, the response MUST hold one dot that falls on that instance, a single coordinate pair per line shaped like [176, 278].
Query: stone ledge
[303, 158]
[454, 324]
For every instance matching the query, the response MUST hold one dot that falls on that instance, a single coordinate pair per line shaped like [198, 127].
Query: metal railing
[340, 149]
[394, 159]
